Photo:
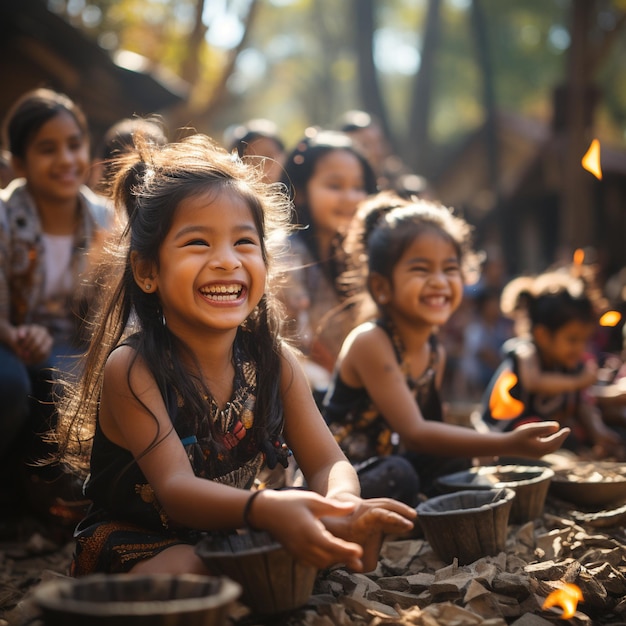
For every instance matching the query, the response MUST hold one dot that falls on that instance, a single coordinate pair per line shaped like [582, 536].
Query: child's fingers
[559, 434]
[392, 505]
[325, 550]
[545, 430]
[555, 440]
[383, 520]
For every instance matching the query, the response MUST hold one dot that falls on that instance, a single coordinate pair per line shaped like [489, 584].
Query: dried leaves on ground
[410, 585]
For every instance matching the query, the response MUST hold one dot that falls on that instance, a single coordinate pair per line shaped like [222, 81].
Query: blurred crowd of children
[392, 314]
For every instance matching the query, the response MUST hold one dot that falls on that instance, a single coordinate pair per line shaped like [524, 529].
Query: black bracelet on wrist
[246, 511]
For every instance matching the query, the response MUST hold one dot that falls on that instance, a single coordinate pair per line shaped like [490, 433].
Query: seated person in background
[383, 405]
[50, 222]
[327, 178]
[258, 141]
[368, 135]
[120, 139]
[484, 336]
[550, 372]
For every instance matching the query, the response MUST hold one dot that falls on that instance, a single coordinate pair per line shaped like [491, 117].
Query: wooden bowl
[530, 484]
[272, 580]
[467, 525]
[591, 484]
[136, 600]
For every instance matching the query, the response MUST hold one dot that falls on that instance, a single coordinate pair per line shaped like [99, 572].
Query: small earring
[148, 286]
[382, 299]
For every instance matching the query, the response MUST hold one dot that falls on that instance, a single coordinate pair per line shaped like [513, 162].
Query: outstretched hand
[368, 524]
[293, 518]
[327, 531]
[539, 438]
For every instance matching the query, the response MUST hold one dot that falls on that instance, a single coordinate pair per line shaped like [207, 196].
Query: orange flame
[579, 256]
[610, 318]
[591, 160]
[567, 598]
[502, 404]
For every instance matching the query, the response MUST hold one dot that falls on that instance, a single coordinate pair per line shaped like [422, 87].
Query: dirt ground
[410, 586]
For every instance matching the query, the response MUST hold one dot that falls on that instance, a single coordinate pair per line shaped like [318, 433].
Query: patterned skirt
[116, 547]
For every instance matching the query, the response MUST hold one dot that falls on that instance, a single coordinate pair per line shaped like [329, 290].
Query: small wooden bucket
[530, 484]
[467, 525]
[136, 600]
[272, 580]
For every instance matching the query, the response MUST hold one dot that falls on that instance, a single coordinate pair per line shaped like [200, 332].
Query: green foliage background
[299, 65]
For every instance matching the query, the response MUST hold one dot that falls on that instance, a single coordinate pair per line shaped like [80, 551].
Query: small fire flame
[567, 598]
[579, 257]
[502, 404]
[591, 160]
[610, 318]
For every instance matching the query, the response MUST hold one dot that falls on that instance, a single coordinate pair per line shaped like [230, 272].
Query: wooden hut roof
[39, 48]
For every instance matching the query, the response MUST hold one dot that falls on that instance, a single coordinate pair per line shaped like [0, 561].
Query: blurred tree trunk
[575, 119]
[417, 150]
[321, 105]
[576, 223]
[369, 85]
[190, 70]
[203, 116]
[481, 41]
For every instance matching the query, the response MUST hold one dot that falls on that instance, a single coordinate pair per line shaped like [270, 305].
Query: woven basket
[466, 525]
[530, 484]
[136, 600]
[272, 580]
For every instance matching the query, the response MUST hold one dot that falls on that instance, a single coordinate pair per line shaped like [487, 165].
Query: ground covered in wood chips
[411, 585]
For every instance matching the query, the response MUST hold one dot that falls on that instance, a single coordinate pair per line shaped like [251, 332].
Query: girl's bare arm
[536, 380]
[370, 362]
[292, 517]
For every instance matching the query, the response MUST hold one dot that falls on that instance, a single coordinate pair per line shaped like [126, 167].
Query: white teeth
[437, 300]
[222, 292]
[223, 289]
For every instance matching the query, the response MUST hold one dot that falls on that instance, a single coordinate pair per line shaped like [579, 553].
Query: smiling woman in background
[49, 221]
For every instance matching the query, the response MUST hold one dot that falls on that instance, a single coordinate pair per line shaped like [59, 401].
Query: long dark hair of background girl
[298, 171]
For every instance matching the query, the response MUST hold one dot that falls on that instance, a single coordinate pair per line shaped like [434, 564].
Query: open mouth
[437, 301]
[222, 293]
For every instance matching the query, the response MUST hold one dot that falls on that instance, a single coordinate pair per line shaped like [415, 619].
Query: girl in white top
[49, 222]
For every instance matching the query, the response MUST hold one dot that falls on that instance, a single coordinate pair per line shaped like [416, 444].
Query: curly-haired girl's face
[427, 283]
[211, 272]
[566, 346]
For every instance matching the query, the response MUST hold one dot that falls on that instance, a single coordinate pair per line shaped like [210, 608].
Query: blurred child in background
[120, 139]
[384, 406]
[50, 222]
[258, 141]
[327, 178]
[549, 359]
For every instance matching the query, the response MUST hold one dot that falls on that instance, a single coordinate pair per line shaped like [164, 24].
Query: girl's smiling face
[334, 190]
[211, 272]
[56, 160]
[427, 283]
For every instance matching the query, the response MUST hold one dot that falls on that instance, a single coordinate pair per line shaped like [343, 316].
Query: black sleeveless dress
[363, 433]
[126, 524]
